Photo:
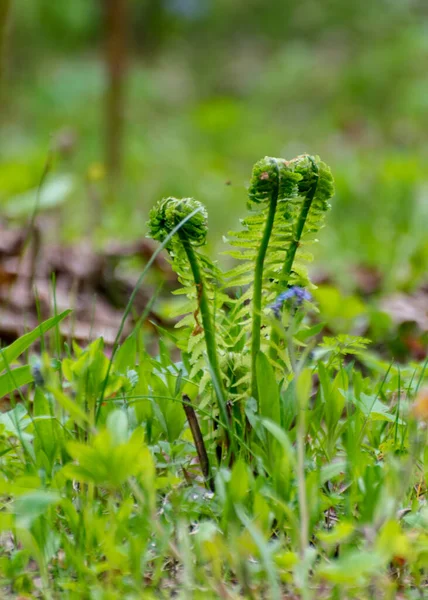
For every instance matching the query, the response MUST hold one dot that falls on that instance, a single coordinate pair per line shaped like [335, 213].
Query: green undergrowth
[256, 462]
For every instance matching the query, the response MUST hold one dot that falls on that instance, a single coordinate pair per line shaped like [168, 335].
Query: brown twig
[192, 419]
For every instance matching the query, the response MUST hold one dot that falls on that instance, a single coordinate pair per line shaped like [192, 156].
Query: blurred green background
[209, 87]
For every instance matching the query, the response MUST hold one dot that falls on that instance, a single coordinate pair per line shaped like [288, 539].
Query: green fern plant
[272, 182]
[197, 274]
[288, 201]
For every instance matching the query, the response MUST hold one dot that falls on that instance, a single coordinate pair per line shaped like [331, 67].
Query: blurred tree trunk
[4, 12]
[116, 34]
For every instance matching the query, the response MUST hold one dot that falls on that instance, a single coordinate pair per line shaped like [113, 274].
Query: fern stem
[209, 331]
[291, 254]
[258, 284]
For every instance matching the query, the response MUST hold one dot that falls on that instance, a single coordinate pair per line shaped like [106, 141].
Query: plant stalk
[209, 332]
[291, 255]
[198, 439]
[258, 285]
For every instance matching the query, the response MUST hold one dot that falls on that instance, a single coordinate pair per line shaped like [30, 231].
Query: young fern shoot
[271, 181]
[182, 249]
[288, 201]
[315, 189]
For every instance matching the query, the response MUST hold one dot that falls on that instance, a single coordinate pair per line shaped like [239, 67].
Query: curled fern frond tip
[314, 174]
[272, 176]
[169, 212]
[264, 180]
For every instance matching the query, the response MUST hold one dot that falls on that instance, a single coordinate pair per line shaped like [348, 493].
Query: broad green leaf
[47, 431]
[263, 513]
[13, 379]
[107, 462]
[117, 425]
[353, 568]
[281, 436]
[126, 355]
[269, 402]
[19, 486]
[338, 535]
[239, 485]
[286, 560]
[392, 541]
[305, 334]
[29, 507]
[14, 420]
[332, 470]
[332, 395]
[373, 408]
[303, 387]
[74, 410]
[281, 457]
[172, 416]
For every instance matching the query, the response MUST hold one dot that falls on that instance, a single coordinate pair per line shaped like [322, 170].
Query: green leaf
[47, 430]
[14, 420]
[29, 507]
[269, 402]
[126, 355]
[109, 462]
[281, 437]
[392, 541]
[373, 408]
[239, 486]
[170, 414]
[14, 379]
[353, 568]
[73, 409]
[11, 353]
[333, 395]
[332, 470]
[303, 387]
[117, 425]
[305, 334]
[338, 535]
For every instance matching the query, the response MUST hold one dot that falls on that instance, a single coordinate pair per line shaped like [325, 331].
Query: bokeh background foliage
[209, 87]
[106, 107]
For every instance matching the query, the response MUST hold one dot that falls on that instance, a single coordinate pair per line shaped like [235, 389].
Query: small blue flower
[295, 292]
[36, 371]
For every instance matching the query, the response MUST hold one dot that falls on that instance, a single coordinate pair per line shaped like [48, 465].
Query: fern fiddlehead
[166, 215]
[267, 182]
[273, 182]
[316, 187]
[288, 200]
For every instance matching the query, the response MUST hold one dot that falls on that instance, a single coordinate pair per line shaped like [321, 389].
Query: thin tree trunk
[4, 12]
[116, 61]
